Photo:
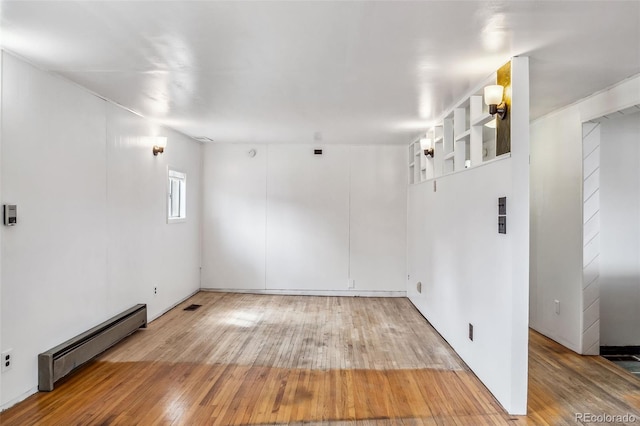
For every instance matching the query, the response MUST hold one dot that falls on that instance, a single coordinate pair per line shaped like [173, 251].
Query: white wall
[620, 231]
[289, 221]
[1, 198]
[307, 218]
[234, 217]
[464, 266]
[92, 237]
[470, 273]
[144, 251]
[556, 227]
[556, 212]
[378, 217]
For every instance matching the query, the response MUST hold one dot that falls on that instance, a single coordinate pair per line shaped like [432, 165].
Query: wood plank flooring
[562, 383]
[245, 359]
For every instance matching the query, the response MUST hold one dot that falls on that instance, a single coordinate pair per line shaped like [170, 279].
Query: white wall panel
[307, 218]
[145, 252]
[378, 216]
[419, 264]
[289, 221]
[465, 267]
[92, 237]
[234, 221]
[54, 261]
[556, 227]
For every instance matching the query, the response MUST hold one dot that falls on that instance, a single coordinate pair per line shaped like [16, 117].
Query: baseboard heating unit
[57, 362]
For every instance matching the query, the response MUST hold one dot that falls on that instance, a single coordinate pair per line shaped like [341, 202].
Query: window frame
[176, 175]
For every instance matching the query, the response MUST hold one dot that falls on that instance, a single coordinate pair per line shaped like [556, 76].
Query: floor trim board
[346, 293]
[19, 398]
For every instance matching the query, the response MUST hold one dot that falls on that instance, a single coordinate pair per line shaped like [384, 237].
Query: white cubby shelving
[460, 140]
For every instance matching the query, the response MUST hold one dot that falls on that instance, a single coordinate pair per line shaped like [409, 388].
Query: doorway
[611, 234]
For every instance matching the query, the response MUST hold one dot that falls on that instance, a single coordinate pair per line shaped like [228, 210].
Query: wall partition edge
[518, 213]
[1, 200]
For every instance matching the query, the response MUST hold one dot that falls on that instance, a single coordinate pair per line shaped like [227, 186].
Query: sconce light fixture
[425, 145]
[159, 143]
[493, 98]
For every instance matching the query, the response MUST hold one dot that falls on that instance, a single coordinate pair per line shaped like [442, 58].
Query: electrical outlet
[155, 290]
[471, 332]
[7, 360]
[556, 304]
[351, 283]
[419, 287]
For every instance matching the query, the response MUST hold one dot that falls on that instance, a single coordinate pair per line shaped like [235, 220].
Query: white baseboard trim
[18, 399]
[553, 335]
[155, 317]
[345, 293]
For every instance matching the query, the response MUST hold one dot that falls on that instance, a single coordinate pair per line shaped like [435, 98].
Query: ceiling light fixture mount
[493, 98]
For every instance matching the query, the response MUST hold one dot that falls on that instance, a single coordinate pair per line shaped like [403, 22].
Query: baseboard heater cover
[57, 362]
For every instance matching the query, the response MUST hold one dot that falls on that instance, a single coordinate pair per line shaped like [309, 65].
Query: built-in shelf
[482, 119]
[420, 166]
[464, 135]
[460, 141]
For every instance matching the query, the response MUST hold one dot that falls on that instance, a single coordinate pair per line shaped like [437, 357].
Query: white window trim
[174, 173]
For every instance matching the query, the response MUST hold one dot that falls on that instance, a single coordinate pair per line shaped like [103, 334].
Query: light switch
[10, 213]
[502, 224]
[502, 205]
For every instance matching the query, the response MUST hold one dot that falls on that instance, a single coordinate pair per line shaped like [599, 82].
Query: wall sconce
[493, 98]
[425, 145]
[159, 143]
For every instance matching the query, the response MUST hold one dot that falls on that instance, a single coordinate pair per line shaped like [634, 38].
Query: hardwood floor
[562, 383]
[257, 359]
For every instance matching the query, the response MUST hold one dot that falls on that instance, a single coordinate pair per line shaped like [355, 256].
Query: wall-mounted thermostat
[10, 214]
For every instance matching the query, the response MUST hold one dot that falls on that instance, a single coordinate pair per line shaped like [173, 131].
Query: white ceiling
[356, 72]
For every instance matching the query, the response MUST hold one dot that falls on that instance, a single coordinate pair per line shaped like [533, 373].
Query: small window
[177, 193]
